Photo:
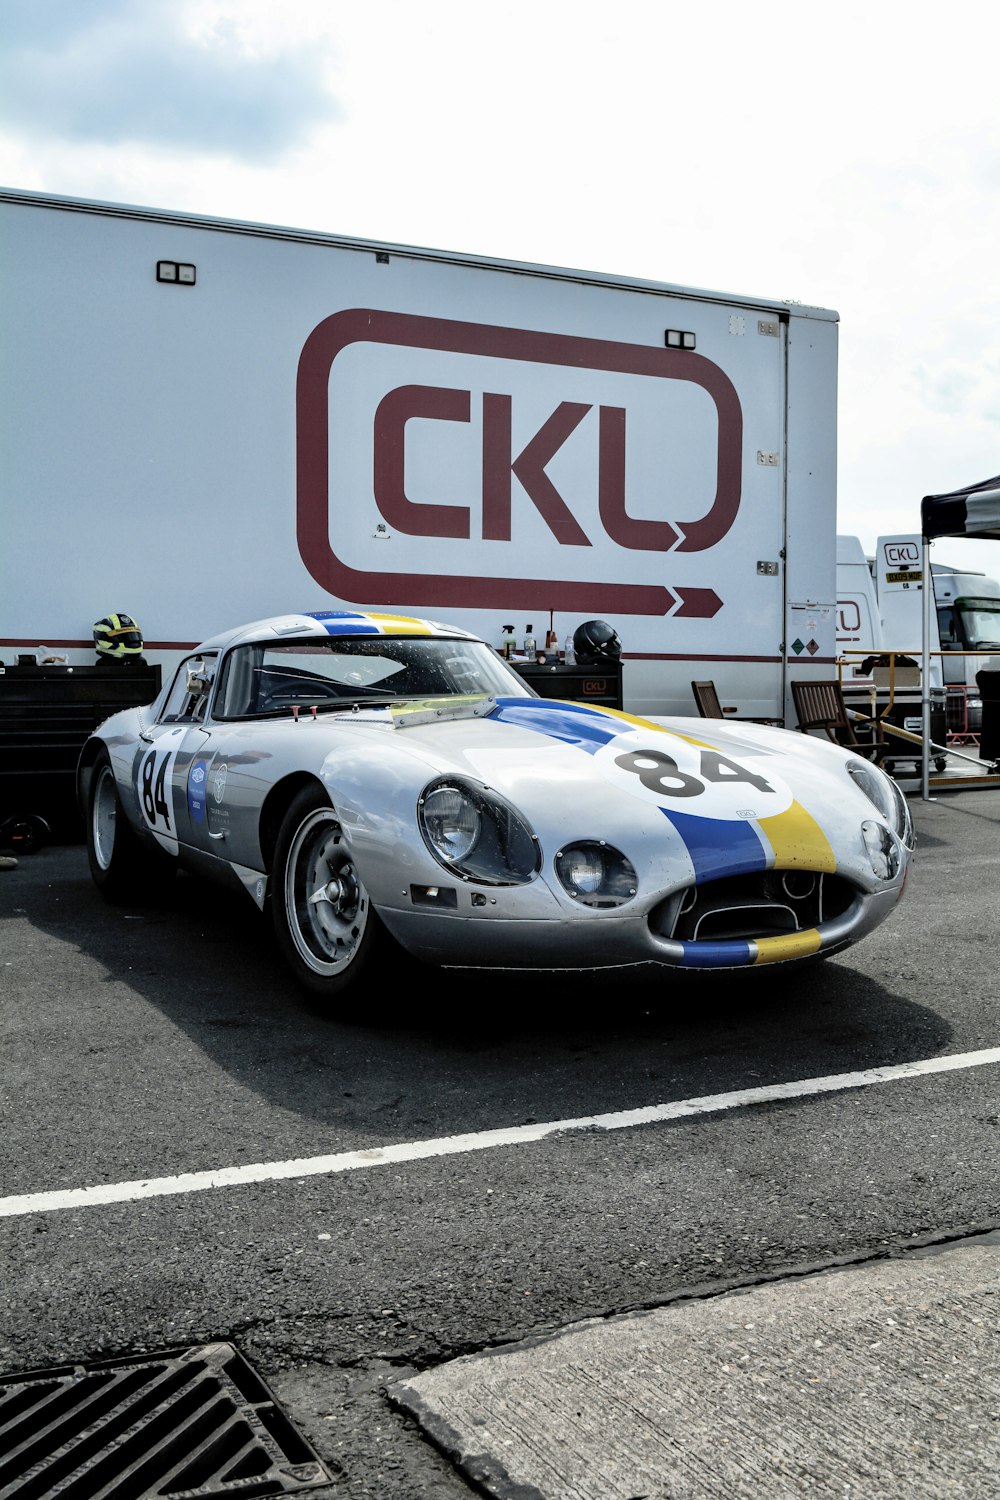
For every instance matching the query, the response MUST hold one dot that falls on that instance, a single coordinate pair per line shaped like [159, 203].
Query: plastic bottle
[529, 643]
[507, 641]
[569, 651]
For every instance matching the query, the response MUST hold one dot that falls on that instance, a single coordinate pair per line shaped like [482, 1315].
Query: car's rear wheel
[121, 868]
[327, 929]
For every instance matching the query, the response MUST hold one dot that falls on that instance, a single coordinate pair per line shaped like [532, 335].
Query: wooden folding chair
[820, 705]
[707, 700]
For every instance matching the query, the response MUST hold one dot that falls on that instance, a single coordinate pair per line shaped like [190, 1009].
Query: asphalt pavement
[877, 1378]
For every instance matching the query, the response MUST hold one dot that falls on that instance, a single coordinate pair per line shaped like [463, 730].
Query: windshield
[980, 622]
[268, 678]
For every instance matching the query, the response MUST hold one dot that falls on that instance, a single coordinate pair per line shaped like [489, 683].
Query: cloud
[948, 387]
[125, 72]
[963, 388]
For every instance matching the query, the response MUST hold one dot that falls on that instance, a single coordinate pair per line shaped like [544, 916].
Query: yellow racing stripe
[798, 841]
[795, 945]
[640, 723]
[404, 624]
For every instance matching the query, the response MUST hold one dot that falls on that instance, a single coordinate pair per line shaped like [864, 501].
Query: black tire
[113, 850]
[327, 930]
[123, 870]
[24, 834]
[941, 763]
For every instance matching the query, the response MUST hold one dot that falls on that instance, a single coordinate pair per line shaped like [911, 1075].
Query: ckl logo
[489, 519]
[901, 554]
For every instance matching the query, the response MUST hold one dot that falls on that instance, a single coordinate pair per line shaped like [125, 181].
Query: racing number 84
[661, 774]
[154, 801]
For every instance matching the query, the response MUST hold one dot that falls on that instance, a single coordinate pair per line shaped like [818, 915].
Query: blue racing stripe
[718, 846]
[717, 955]
[343, 622]
[574, 723]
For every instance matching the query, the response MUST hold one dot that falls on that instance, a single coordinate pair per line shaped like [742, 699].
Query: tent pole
[925, 675]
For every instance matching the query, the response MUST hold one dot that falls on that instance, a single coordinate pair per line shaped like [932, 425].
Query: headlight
[476, 834]
[884, 794]
[451, 822]
[596, 874]
[883, 852]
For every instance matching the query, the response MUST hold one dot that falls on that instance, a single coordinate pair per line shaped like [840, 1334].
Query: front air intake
[772, 903]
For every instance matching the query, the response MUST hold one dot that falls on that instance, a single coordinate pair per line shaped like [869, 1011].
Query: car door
[165, 769]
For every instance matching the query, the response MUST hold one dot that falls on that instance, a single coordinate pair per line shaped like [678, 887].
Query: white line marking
[483, 1140]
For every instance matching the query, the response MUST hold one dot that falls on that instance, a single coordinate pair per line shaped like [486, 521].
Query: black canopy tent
[970, 512]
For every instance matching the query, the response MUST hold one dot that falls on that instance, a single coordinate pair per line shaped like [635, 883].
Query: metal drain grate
[185, 1422]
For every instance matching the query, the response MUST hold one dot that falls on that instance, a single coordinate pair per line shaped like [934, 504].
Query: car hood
[613, 769]
[559, 732]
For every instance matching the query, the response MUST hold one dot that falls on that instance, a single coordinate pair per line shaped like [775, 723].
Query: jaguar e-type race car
[385, 785]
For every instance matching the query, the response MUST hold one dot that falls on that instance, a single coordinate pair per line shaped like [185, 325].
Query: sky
[845, 156]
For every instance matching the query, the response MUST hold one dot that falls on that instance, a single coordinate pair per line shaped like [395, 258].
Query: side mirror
[199, 679]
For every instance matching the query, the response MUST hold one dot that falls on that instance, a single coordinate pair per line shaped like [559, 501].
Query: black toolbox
[903, 708]
[909, 714]
[586, 684]
[46, 716]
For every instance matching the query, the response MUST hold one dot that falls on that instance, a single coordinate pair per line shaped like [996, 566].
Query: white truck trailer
[207, 421]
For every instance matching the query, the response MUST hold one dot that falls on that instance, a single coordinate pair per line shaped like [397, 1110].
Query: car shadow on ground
[449, 1051]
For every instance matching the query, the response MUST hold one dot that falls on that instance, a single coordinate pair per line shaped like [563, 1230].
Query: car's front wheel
[122, 869]
[327, 929]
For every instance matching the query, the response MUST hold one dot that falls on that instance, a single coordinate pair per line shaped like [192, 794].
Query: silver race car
[385, 785]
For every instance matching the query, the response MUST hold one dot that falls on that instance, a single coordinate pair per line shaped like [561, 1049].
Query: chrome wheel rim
[326, 904]
[104, 814]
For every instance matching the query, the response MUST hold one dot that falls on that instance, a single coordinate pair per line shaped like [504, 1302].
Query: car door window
[182, 705]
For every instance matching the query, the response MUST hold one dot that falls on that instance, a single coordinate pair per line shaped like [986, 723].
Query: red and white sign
[530, 449]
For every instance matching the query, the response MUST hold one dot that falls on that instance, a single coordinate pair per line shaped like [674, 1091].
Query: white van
[859, 625]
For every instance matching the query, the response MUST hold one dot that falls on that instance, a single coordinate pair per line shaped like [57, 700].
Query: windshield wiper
[305, 710]
[350, 705]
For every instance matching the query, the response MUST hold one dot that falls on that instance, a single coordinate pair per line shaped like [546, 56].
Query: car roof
[334, 623]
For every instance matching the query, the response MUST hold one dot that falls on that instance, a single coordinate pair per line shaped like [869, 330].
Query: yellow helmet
[117, 636]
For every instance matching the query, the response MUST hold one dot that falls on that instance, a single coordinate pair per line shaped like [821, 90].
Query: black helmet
[117, 636]
[595, 640]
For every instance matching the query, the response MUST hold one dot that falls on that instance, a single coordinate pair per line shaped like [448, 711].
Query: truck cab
[968, 616]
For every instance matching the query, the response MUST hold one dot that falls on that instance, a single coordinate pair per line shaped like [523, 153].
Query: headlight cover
[882, 849]
[595, 873]
[475, 834]
[884, 794]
